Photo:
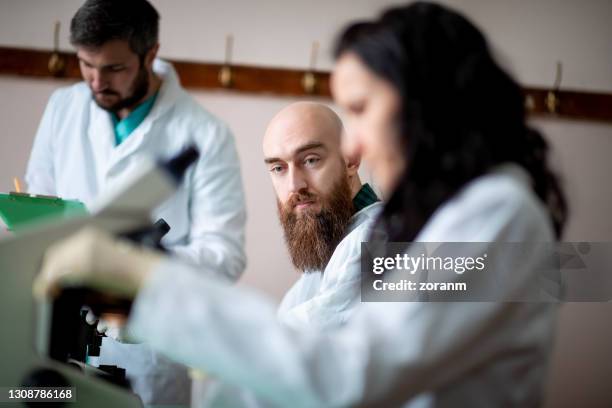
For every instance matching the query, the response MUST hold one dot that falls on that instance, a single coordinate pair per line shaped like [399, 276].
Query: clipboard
[20, 209]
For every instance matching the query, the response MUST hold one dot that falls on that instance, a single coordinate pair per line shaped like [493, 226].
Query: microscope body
[44, 344]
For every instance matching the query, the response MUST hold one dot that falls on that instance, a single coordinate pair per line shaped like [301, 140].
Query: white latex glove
[95, 259]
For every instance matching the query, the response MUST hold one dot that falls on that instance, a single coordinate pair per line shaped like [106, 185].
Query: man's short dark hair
[99, 21]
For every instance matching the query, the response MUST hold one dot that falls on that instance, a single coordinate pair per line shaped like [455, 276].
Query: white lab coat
[477, 354]
[319, 300]
[328, 299]
[74, 156]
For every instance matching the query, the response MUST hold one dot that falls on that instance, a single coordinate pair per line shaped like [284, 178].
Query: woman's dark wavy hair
[461, 114]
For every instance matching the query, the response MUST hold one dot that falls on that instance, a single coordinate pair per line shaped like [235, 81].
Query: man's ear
[352, 164]
[151, 55]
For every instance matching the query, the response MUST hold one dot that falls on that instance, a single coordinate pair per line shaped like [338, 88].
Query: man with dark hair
[132, 27]
[97, 22]
[95, 133]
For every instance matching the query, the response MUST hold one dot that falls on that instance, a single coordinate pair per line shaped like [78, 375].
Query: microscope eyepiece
[178, 165]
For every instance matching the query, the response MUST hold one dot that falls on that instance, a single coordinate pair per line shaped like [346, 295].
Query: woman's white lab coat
[476, 354]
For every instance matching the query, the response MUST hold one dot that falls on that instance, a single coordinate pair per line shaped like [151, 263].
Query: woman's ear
[351, 152]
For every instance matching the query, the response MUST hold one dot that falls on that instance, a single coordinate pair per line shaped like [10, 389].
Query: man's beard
[312, 237]
[140, 87]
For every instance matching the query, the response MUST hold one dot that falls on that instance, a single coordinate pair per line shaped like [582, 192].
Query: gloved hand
[95, 259]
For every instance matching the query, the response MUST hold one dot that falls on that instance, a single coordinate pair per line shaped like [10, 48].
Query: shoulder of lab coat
[392, 352]
[499, 204]
[40, 174]
[329, 300]
[218, 211]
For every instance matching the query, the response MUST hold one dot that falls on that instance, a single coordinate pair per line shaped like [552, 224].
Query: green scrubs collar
[124, 127]
[364, 197]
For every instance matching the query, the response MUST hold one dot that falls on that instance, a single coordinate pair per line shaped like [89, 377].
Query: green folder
[19, 209]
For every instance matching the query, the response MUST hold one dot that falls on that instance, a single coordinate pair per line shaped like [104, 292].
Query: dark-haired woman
[443, 130]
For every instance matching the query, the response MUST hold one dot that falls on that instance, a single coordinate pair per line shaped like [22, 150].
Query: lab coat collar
[515, 171]
[170, 89]
[371, 211]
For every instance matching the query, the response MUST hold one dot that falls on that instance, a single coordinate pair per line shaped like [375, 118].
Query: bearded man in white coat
[326, 213]
[95, 133]
[324, 209]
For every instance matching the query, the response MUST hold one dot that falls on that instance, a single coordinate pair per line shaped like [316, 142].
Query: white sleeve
[388, 350]
[40, 174]
[217, 209]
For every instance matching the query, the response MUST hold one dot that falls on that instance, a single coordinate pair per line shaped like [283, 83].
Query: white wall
[529, 37]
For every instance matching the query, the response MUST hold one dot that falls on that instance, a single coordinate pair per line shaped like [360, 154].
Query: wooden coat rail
[290, 82]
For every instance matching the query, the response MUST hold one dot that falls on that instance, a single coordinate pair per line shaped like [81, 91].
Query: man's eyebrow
[307, 146]
[83, 60]
[104, 66]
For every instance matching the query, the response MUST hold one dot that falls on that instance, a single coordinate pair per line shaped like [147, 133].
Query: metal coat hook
[309, 80]
[225, 74]
[529, 103]
[57, 62]
[552, 100]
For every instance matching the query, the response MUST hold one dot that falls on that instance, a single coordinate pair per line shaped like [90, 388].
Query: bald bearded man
[326, 212]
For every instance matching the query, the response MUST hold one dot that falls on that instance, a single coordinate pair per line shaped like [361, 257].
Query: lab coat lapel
[102, 140]
[133, 143]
